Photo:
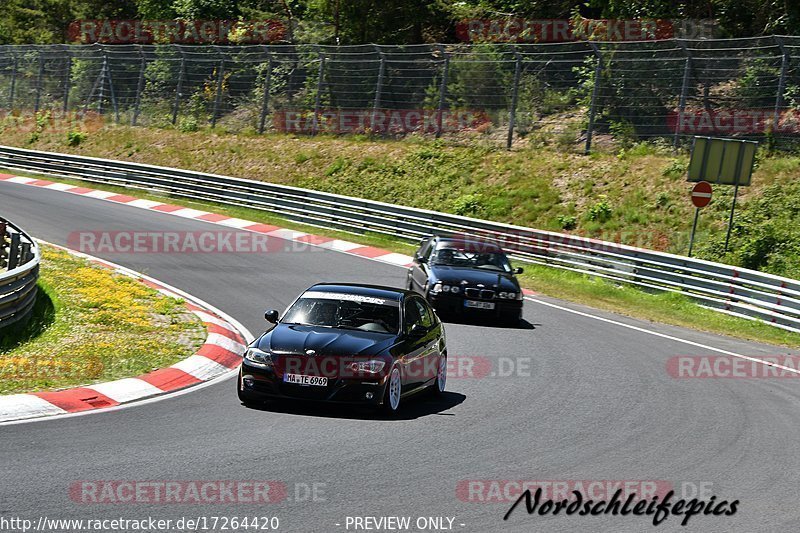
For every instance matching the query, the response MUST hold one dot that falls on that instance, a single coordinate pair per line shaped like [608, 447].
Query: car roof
[472, 245]
[376, 291]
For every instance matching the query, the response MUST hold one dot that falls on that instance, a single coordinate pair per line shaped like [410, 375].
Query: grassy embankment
[636, 196]
[92, 325]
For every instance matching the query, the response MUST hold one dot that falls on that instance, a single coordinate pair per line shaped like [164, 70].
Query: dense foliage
[388, 21]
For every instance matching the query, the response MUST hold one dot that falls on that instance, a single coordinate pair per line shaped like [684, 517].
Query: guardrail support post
[317, 99]
[593, 105]
[512, 116]
[781, 84]
[265, 99]
[179, 89]
[39, 82]
[376, 104]
[2, 244]
[24, 253]
[13, 251]
[687, 67]
[442, 94]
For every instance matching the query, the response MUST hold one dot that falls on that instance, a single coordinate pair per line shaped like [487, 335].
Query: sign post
[723, 161]
[701, 197]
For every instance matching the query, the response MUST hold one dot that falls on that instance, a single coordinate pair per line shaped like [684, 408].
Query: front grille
[485, 294]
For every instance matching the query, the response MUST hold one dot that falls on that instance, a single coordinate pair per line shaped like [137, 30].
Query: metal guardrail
[740, 292]
[19, 272]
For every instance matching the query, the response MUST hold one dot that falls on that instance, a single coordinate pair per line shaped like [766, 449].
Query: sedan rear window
[346, 311]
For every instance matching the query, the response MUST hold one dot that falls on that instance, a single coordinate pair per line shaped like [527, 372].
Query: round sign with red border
[701, 194]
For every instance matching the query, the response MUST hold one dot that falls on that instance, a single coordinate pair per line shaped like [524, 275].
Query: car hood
[295, 339]
[474, 276]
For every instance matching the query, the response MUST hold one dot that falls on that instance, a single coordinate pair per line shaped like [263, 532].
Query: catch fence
[572, 94]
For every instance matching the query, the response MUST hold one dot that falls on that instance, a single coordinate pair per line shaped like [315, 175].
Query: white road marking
[662, 335]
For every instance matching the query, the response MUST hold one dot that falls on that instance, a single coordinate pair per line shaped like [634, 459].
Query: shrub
[567, 222]
[600, 212]
[75, 138]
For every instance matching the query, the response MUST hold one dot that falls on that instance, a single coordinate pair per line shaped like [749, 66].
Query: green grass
[664, 307]
[91, 325]
[630, 193]
[668, 308]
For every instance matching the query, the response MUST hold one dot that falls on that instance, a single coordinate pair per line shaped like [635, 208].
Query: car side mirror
[271, 316]
[417, 331]
[418, 258]
[518, 270]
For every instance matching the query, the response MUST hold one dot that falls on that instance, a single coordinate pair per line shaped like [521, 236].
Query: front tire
[394, 390]
[441, 377]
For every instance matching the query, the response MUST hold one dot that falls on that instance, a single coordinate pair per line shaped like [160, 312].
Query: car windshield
[346, 311]
[463, 258]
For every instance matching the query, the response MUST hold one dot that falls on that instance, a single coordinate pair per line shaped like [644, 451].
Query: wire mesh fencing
[576, 94]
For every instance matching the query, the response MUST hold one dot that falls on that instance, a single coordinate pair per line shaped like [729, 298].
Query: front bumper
[448, 303]
[267, 383]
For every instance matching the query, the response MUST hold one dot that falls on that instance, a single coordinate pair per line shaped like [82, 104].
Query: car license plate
[299, 379]
[478, 305]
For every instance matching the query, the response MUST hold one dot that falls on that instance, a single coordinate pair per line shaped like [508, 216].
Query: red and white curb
[219, 355]
[336, 245]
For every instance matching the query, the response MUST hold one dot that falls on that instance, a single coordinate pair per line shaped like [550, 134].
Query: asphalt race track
[586, 400]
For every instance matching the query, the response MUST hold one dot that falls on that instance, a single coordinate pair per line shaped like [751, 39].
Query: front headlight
[454, 289]
[370, 367]
[437, 287]
[258, 357]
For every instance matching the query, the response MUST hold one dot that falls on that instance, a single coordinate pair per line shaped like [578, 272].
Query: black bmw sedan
[458, 276]
[347, 343]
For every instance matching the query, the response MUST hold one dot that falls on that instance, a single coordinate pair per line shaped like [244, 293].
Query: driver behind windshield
[452, 257]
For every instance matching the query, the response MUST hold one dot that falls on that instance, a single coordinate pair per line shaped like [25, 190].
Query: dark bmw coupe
[347, 343]
[458, 276]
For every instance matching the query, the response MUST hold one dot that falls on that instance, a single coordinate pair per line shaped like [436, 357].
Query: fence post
[218, 96]
[265, 100]
[101, 80]
[512, 117]
[321, 72]
[13, 82]
[39, 82]
[781, 83]
[593, 105]
[139, 87]
[442, 93]
[376, 104]
[179, 89]
[684, 92]
[67, 80]
[111, 91]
